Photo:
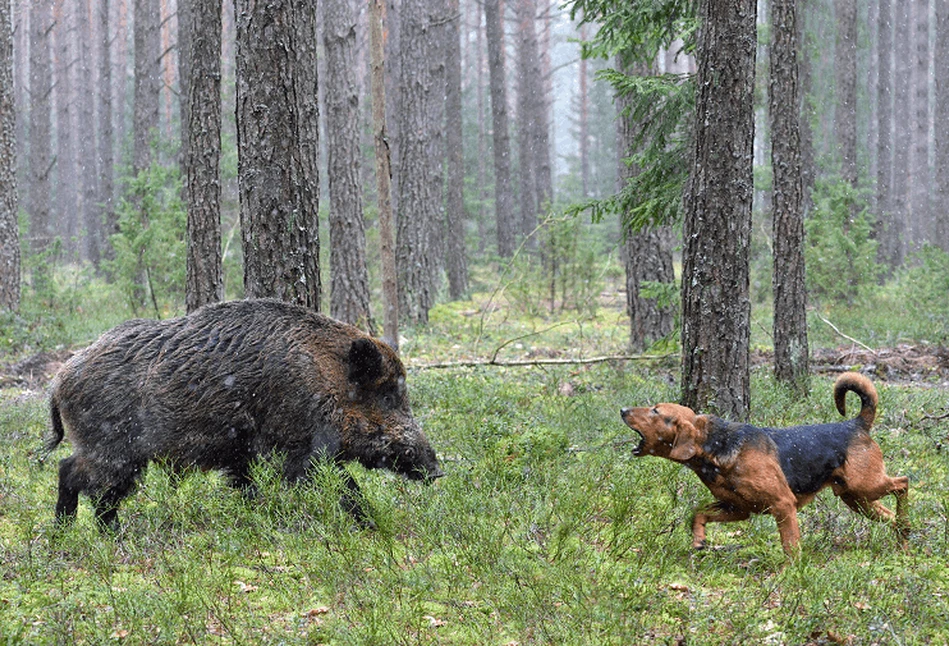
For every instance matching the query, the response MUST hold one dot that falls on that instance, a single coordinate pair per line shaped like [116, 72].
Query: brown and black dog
[777, 471]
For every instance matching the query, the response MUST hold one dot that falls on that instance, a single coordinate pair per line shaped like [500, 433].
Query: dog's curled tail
[852, 381]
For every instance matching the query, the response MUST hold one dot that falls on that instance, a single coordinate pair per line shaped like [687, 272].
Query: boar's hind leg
[71, 482]
[107, 502]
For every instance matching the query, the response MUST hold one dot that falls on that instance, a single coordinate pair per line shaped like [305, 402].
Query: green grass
[542, 532]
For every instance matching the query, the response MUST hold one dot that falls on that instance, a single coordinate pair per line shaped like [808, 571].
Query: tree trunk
[421, 179]
[503, 196]
[41, 158]
[65, 221]
[106, 158]
[717, 221]
[941, 121]
[647, 254]
[390, 293]
[185, 74]
[845, 69]
[349, 288]
[456, 262]
[790, 302]
[892, 237]
[277, 143]
[88, 159]
[527, 73]
[147, 82]
[884, 151]
[9, 231]
[205, 274]
[921, 186]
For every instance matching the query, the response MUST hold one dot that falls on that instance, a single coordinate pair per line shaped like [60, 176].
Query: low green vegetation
[544, 531]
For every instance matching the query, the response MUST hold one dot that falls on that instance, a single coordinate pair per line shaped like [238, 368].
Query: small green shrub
[924, 286]
[149, 264]
[839, 251]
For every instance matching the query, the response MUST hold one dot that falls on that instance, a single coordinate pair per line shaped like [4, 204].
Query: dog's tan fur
[776, 471]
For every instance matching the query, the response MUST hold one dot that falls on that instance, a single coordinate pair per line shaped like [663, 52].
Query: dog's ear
[691, 433]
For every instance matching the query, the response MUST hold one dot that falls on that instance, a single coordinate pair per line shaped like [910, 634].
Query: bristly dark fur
[223, 386]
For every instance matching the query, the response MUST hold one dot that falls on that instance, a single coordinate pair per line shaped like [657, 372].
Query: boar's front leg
[352, 500]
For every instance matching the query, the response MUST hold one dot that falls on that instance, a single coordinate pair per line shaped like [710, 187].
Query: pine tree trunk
[349, 289]
[147, 80]
[106, 158]
[456, 263]
[202, 161]
[421, 178]
[884, 99]
[921, 186]
[185, 73]
[9, 231]
[892, 237]
[277, 143]
[790, 301]
[503, 196]
[41, 157]
[65, 221]
[941, 120]
[717, 221]
[390, 292]
[527, 73]
[845, 68]
[88, 159]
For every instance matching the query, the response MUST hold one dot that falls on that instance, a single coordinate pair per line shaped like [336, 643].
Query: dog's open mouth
[642, 442]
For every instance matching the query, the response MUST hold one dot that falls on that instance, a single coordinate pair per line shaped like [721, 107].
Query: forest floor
[904, 363]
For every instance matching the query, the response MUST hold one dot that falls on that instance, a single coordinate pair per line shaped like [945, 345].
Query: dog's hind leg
[716, 512]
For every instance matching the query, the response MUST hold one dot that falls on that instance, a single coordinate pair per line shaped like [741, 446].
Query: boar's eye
[409, 453]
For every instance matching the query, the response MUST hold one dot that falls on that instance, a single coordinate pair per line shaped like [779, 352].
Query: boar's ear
[365, 362]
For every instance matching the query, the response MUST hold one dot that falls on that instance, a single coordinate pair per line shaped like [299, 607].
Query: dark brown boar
[223, 386]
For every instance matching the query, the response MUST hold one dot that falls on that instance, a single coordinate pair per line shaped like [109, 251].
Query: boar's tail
[58, 431]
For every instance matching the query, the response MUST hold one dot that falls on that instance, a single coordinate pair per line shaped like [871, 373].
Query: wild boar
[223, 386]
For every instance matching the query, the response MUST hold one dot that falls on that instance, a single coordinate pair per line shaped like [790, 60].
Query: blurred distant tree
[941, 62]
[40, 147]
[9, 231]
[349, 287]
[503, 193]
[421, 178]
[456, 263]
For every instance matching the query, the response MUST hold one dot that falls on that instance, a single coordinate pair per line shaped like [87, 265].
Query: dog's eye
[655, 410]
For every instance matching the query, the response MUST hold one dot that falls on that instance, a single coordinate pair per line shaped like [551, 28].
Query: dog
[752, 470]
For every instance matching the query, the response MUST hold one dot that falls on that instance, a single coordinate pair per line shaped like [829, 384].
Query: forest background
[550, 295]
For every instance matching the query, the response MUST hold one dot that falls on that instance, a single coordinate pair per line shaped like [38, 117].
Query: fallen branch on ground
[473, 363]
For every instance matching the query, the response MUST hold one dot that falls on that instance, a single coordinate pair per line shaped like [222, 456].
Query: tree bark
[527, 77]
[349, 288]
[277, 141]
[65, 220]
[106, 158]
[147, 82]
[921, 186]
[41, 158]
[185, 74]
[717, 221]
[892, 236]
[9, 230]
[390, 292]
[202, 161]
[941, 121]
[89, 171]
[456, 263]
[884, 98]
[421, 178]
[845, 69]
[790, 294]
[505, 216]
